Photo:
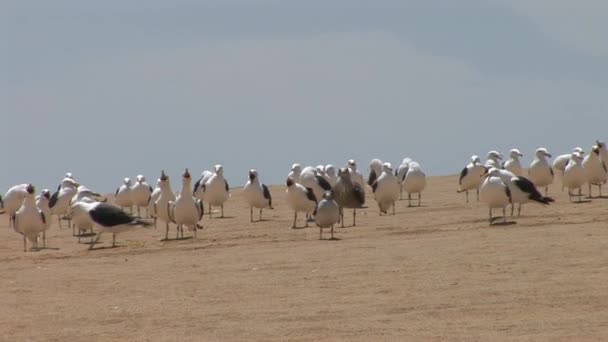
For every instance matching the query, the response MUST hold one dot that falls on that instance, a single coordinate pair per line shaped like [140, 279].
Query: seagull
[495, 193]
[256, 194]
[414, 182]
[574, 176]
[560, 162]
[108, 218]
[522, 191]
[386, 189]
[80, 218]
[401, 172]
[29, 221]
[513, 164]
[348, 194]
[493, 159]
[216, 190]
[140, 194]
[328, 214]
[60, 200]
[296, 170]
[355, 175]
[310, 178]
[332, 175]
[595, 169]
[123, 197]
[198, 185]
[300, 198]
[1, 205]
[375, 170]
[186, 210]
[540, 171]
[13, 199]
[471, 177]
[42, 203]
[161, 206]
[153, 197]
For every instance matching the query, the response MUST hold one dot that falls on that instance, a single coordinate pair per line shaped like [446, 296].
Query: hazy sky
[113, 88]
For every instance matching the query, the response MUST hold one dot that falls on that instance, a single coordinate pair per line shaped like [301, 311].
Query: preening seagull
[140, 194]
[574, 176]
[540, 171]
[560, 162]
[60, 200]
[495, 193]
[294, 173]
[355, 175]
[328, 214]
[29, 221]
[513, 164]
[123, 196]
[13, 200]
[42, 202]
[256, 194]
[595, 169]
[300, 199]
[161, 206]
[348, 195]
[216, 190]
[401, 172]
[110, 219]
[186, 210]
[151, 205]
[198, 185]
[471, 177]
[386, 189]
[310, 178]
[522, 190]
[494, 159]
[414, 182]
[375, 170]
[332, 174]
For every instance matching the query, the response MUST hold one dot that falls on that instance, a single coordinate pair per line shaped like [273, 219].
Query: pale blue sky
[109, 89]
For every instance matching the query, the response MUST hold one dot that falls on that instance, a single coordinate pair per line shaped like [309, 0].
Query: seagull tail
[141, 223]
[544, 200]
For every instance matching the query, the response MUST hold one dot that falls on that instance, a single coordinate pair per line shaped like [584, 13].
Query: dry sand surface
[438, 272]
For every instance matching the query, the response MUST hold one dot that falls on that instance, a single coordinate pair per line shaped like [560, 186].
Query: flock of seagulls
[321, 193]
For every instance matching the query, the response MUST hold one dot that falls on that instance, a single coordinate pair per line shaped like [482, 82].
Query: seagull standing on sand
[80, 218]
[560, 162]
[495, 193]
[42, 202]
[123, 196]
[186, 210]
[522, 190]
[348, 194]
[109, 219]
[540, 171]
[256, 194]
[494, 159]
[294, 173]
[386, 189]
[328, 214]
[153, 197]
[29, 220]
[216, 190]
[140, 194]
[513, 164]
[198, 185]
[13, 199]
[401, 172]
[375, 170]
[574, 176]
[471, 177]
[311, 179]
[355, 175]
[300, 199]
[60, 200]
[595, 169]
[161, 206]
[414, 182]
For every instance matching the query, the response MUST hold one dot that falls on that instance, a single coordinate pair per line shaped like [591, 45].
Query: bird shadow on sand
[49, 248]
[501, 223]
[221, 218]
[105, 247]
[178, 239]
[331, 239]
[582, 201]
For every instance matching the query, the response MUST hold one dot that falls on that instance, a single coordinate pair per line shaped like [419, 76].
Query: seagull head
[186, 174]
[296, 167]
[126, 181]
[330, 170]
[600, 144]
[219, 169]
[595, 149]
[475, 159]
[253, 174]
[494, 155]
[386, 167]
[577, 157]
[352, 164]
[163, 176]
[140, 179]
[68, 175]
[30, 189]
[344, 173]
[542, 153]
[46, 193]
[514, 153]
[328, 195]
[579, 150]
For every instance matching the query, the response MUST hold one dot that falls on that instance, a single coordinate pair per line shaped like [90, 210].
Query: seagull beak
[548, 155]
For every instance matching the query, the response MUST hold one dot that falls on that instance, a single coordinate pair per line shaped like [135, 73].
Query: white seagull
[294, 173]
[401, 172]
[522, 190]
[495, 193]
[494, 159]
[310, 178]
[123, 197]
[386, 189]
[300, 199]
[332, 174]
[216, 190]
[375, 170]
[414, 182]
[198, 185]
[328, 214]
[348, 195]
[355, 175]
[109, 219]
[80, 218]
[161, 206]
[595, 169]
[513, 164]
[42, 202]
[141, 193]
[540, 171]
[60, 200]
[256, 194]
[153, 197]
[560, 162]
[29, 220]
[471, 177]
[574, 176]
[13, 199]
[186, 210]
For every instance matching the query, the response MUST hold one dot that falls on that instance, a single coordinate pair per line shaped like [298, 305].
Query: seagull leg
[394, 209]
[43, 239]
[419, 197]
[222, 210]
[512, 209]
[113, 240]
[547, 190]
[477, 194]
[580, 194]
[167, 231]
[600, 190]
[260, 214]
[210, 212]
[138, 212]
[400, 191]
[250, 214]
[504, 214]
[24, 244]
[354, 217]
[590, 191]
[94, 242]
[295, 217]
[320, 233]
[519, 210]
[409, 200]
[467, 193]
[342, 216]
[306, 225]
[332, 231]
[490, 215]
